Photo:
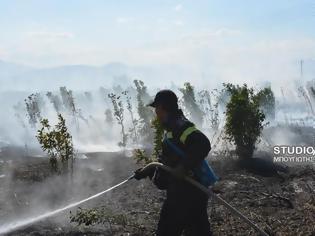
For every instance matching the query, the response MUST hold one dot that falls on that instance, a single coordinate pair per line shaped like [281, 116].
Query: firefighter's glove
[217, 188]
[161, 158]
[140, 174]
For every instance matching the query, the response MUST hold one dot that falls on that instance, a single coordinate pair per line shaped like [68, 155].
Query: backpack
[204, 172]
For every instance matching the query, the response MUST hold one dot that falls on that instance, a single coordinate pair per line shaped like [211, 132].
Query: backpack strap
[168, 135]
[187, 132]
[204, 173]
[182, 138]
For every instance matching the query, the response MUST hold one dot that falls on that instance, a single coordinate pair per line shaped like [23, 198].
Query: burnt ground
[281, 206]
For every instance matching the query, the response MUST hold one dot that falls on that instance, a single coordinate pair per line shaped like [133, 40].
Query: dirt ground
[27, 188]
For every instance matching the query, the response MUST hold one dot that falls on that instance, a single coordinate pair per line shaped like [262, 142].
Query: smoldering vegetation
[108, 123]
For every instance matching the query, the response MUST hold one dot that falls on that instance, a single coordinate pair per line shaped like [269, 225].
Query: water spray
[14, 226]
[17, 225]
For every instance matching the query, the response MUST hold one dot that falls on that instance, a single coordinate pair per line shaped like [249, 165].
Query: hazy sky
[234, 37]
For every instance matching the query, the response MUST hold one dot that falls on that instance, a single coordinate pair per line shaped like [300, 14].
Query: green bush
[141, 156]
[102, 215]
[244, 119]
[57, 142]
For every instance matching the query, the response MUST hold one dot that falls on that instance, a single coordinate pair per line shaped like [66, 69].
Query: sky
[238, 38]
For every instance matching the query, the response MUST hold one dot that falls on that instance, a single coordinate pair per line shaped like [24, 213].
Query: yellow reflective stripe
[169, 135]
[187, 132]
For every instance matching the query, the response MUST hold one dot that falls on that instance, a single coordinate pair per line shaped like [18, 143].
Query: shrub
[57, 142]
[102, 215]
[244, 119]
[141, 156]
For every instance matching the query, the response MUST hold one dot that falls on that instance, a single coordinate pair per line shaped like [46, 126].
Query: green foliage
[142, 92]
[141, 156]
[145, 113]
[189, 101]
[158, 138]
[101, 215]
[134, 122]
[119, 115]
[57, 142]
[244, 119]
[222, 95]
[266, 100]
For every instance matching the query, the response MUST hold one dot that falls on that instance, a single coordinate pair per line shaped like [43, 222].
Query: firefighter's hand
[216, 188]
[180, 172]
[161, 158]
[140, 174]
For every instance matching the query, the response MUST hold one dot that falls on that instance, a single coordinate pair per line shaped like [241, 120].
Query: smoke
[31, 220]
[89, 128]
[29, 193]
[93, 133]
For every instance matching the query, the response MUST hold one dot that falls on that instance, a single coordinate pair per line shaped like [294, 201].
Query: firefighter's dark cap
[166, 98]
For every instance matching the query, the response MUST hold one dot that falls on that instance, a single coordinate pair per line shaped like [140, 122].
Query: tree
[68, 100]
[190, 103]
[145, 113]
[244, 119]
[69, 104]
[267, 101]
[119, 115]
[310, 85]
[57, 142]
[134, 122]
[210, 108]
[55, 100]
[33, 109]
[302, 93]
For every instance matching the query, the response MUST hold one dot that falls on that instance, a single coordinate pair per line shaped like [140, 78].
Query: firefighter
[185, 206]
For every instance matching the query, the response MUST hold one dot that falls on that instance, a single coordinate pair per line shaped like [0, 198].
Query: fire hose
[16, 225]
[209, 193]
